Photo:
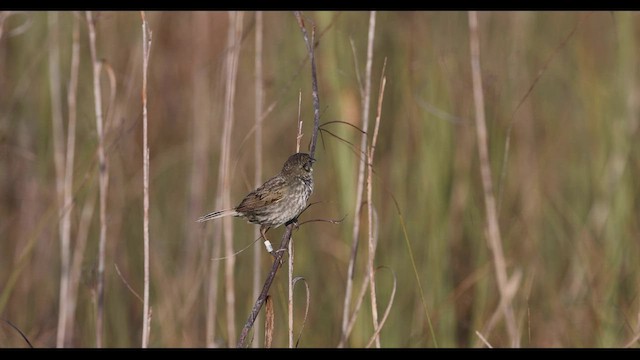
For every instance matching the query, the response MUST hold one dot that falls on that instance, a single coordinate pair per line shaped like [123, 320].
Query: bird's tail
[218, 214]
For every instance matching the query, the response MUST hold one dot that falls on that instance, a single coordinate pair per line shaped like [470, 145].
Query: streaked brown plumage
[279, 200]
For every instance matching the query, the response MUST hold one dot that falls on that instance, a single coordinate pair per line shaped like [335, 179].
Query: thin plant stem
[78, 255]
[259, 88]
[58, 159]
[146, 47]
[493, 229]
[69, 161]
[366, 100]
[199, 170]
[290, 246]
[290, 293]
[212, 291]
[234, 42]
[103, 180]
[314, 80]
[371, 245]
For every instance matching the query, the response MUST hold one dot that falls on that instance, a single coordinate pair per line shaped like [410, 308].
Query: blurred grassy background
[568, 209]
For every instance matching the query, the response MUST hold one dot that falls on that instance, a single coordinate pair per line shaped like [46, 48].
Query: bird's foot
[294, 222]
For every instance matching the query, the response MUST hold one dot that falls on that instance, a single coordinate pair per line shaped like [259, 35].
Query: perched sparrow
[279, 200]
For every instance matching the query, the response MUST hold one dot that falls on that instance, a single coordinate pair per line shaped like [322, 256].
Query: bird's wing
[270, 192]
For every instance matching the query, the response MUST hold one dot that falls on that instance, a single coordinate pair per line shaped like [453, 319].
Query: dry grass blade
[111, 75]
[359, 302]
[299, 136]
[632, 341]
[507, 141]
[198, 247]
[306, 308]
[389, 304]
[291, 250]
[344, 123]
[19, 29]
[360, 298]
[484, 340]
[59, 164]
[371, 246]
[415, 270]
[493, 229]
[78, 255]
[268, 322]
[231, 67]
[239, 251]
[234, 38]
[352, 146]
[69, 161]
[24, 337]
[126, 283]
[355, 66]
[356, 310]
[439, 113]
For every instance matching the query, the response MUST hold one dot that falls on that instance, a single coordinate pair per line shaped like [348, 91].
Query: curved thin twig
[342, 122]
[19, 332]
[324, 220]
[306, 309]
[126, 283]
[388, 309]
[19, 29]
[415, 269]
[237, 252]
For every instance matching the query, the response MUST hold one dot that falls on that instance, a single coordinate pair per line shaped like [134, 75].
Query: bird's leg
[267, 243]
[293, 222]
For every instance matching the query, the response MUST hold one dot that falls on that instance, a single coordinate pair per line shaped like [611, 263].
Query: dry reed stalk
[314, 80]
[212, 291]
[68, 176]
[197, 246]
[199, 171]
[103, 179]
[493, 230]
[366, 100]
[290, 249]
[259, 88]
[223, 190]
[59, 162]
[386, 313]
[269, 323]
[371, 245]
[78, 255]
[235, 40]
[484, 341]
[146, 47]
